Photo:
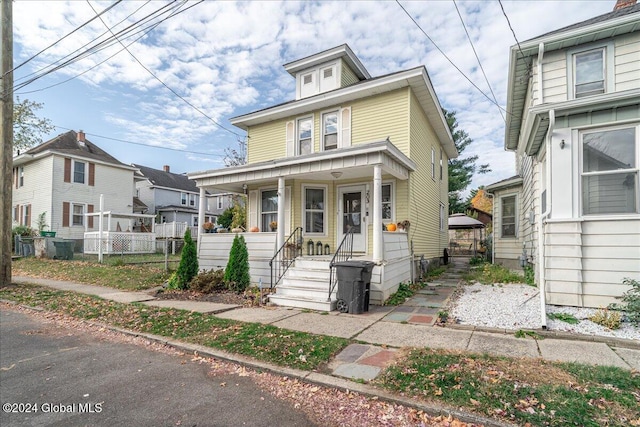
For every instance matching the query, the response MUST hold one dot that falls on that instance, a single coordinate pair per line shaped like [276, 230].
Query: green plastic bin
[64, 249]
[47, 234]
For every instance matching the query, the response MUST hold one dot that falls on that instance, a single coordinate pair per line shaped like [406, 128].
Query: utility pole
[6, 134]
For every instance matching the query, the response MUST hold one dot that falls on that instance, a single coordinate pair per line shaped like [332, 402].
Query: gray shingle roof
[160, 178]
[595, 20]
[67, 144]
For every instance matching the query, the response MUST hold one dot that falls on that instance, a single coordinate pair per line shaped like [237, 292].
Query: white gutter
[542, 221]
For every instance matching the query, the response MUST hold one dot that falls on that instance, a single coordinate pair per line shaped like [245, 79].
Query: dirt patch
[225, 297]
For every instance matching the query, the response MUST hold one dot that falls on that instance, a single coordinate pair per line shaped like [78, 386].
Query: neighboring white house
[64, 178]
[573, 210]
[175, 197]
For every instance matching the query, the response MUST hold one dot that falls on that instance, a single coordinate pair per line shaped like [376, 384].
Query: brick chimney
[81, 136]
[624, 3]
[166, 168]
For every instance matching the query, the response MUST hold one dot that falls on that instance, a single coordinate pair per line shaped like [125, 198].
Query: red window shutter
[65, 214]
[28, 221]
[67, 170]
[20, 220]
[90, 210]
[92, 174]
[15, 177]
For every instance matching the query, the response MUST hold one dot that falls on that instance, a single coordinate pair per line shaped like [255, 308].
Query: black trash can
[354, 285]
[64, 249]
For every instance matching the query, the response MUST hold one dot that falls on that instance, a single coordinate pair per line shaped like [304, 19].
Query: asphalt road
[73, 378]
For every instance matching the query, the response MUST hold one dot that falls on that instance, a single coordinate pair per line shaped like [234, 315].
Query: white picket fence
[119, 242]
[174, 229]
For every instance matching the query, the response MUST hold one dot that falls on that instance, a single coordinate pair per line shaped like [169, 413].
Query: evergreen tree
[188, 267]
[236, 275]
[461, 170]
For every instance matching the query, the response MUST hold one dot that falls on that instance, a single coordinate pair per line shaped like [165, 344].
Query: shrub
[529, 275]
[208, 281]
[224, 220]
[23, 230]
[606, 318]
[236, 275]
[631, 300]
[476, 260]
[188, 267]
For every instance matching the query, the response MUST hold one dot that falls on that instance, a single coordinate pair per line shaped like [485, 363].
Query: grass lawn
[114, 272]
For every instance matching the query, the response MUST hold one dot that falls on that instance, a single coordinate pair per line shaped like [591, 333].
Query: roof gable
[160, 178]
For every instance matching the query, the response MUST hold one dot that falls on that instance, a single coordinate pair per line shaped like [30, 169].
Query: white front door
[351, 215]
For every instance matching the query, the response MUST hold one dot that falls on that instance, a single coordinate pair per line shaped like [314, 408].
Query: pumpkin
[391, 227]
[254, 229]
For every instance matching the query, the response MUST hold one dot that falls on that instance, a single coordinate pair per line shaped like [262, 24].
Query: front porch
[306, 283]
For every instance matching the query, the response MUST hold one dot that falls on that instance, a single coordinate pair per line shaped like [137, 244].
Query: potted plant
[273, 225]
[404, 225]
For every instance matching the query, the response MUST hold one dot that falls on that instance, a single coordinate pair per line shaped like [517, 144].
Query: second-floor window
[330, 130]
[183, 199]
[589, 72]
[219, 202]
[78, 172]
[192, 200]
[303, 137]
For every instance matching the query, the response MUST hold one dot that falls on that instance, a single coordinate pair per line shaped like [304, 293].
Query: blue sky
[225, 58]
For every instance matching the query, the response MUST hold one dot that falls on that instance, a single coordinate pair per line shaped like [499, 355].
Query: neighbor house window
[78, 172]
[183, 199]
[192, 200]
[219, 201]
[441, 164]
[387, 203]
[589, 73]
[304, 136]
[509, 216]
[610, 171]
[330, 130]
[269, 209]
[77, 214]
[21, 176]
[314, 210]
[26, 215]
[441, 217]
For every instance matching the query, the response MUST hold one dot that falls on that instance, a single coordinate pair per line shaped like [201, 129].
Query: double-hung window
[387, 203]
[269, 209]
[183, 199]
[21, 176]
[219, 200]
[314, 210]
[78, 172]
[508, 216]
[610, 171]
[303, 140]
[589, 69]
[77, 214]
[192, 200]
[330, 130]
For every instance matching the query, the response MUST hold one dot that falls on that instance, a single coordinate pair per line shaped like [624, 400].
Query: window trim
[325, 210]
[298, 151]
[582, 174]
[72, 214]
[392, 185]
[608, 66]
[441, 165]
[515, 215]
[73, 172]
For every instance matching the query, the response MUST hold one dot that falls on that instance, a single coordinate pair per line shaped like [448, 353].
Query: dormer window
[589, 73]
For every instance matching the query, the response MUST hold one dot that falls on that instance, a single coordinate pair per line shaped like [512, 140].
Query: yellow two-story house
[328, 172]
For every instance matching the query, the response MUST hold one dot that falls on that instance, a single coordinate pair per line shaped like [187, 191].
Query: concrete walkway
[385, 329]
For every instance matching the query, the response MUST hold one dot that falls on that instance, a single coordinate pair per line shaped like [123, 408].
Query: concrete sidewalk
[383, 329]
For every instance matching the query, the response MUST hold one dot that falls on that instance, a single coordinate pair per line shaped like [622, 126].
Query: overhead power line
[478, 59]
[162, 82]
[449, 59]
[511, 28]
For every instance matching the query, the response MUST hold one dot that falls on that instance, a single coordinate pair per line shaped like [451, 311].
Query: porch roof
[347, 163]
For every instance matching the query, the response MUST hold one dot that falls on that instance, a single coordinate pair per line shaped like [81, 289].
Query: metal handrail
[285, 256]
[343, 253]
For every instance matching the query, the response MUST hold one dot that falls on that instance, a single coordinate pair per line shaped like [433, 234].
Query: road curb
[310, 377]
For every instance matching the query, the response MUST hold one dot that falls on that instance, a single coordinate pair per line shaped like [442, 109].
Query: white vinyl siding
[627, 62]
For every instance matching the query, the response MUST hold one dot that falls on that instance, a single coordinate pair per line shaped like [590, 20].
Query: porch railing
[285, 256]
[343, 253]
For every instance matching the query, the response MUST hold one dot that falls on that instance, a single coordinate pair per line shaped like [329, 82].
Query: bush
[188, 267]
[631, 300]
[224, 220]
[208, 282]
[476, 260]
[23, 230]
[529, 275]
[606, 318]
[236, 275]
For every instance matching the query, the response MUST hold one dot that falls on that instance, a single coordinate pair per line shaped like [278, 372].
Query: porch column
[377, 213]
[280, 235]
[201, 211]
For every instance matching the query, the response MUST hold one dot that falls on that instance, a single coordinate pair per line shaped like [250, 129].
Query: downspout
[542, 221]
[493, 215]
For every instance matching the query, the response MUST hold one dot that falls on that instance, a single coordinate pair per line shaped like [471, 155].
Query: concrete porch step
[308, 273]
[312, 264]
[302, 302]
[315, 293]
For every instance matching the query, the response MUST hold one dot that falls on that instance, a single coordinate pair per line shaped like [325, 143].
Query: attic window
[307, 79]
[328, 72]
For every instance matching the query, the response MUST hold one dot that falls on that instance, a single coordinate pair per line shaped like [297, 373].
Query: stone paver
[591, 353]
[381, 359]
[258, 315]
[503, 345]
[357, 371]
[631, 356]
[338, 326]
[198, 306]
[398, 317]
[352, 353]
[422, 320]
